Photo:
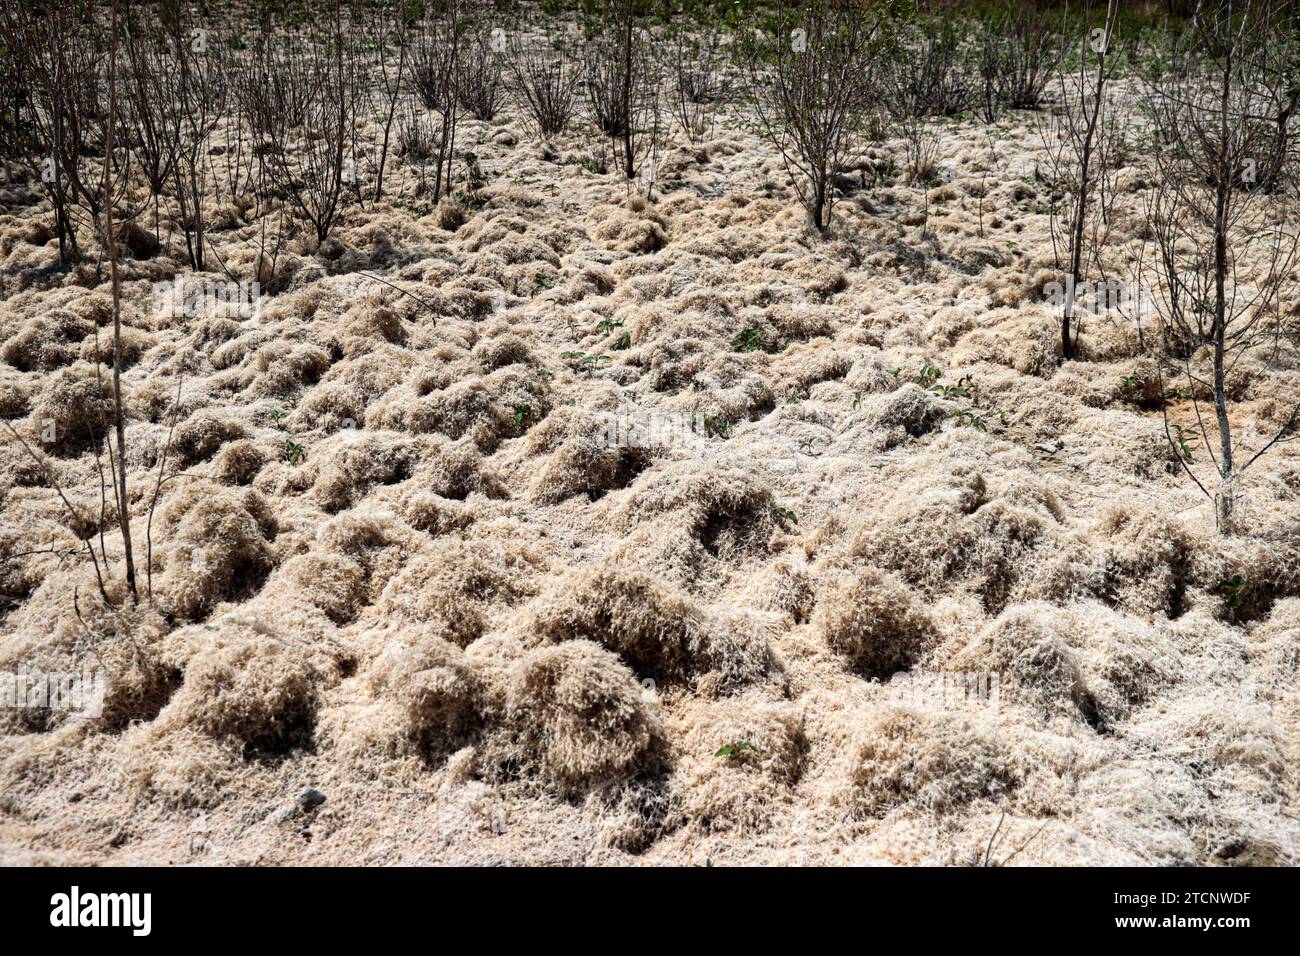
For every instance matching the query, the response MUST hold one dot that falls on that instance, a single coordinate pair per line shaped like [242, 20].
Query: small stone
[310, 799]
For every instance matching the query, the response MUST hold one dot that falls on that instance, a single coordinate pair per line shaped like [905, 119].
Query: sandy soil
[489, 635]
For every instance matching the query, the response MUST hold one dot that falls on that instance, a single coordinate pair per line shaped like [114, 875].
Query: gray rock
[310, 799]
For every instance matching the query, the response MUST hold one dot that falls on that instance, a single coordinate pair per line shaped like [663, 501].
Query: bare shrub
[1221, 252]
[929, 76]
[811, 84]
[478, 84]
[698, 60]
[55, 71]
[199, 97]
[436, 76]
[545, 80]
[311, 166]
[1080, 143]
[623, 85]
[1019, 50]
[149, 105]
[390, 33]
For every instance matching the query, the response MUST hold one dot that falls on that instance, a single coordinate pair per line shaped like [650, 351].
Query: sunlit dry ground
[486, 636]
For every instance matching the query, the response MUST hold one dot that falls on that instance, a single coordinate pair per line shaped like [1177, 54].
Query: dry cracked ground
[397, 559]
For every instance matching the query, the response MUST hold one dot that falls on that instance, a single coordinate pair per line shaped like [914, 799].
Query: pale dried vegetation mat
[488, 637]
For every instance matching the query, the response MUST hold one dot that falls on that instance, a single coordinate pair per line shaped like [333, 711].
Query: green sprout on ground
[522, 414]
[1233, 591]
[965, 385]
[733, 751]
[584, 360]
[1185, 438]
[294, 452]
[754, 339]
[717, 426]
[780, 515]
[928, 375]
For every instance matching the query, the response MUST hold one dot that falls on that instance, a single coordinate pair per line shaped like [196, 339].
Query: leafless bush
[436, 75]
[1222, 252]
[389, 32]
[59, 123]
[1020, 49]
[811, 85]
[200, 95]
[545, 79]
[149, 107]
[312, 166]
[925, 78]
[622, 83]
[1079, 145]
[479, 81]
[270, 96]
[49, 24]
[434, 66]
[698, 61]
[929, 76]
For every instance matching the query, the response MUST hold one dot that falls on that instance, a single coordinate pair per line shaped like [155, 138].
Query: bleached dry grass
[488, 637]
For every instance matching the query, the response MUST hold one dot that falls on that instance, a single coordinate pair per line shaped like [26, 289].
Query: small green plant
[734, 751]
[962, 389]
[753, 339]
[1233, 591]
[927, 376]
[784, 516]
[584, 360]
[857, 401]
[1127, 384]
[522, 414]
[1185, 438]
[717, 426]
[294, 453]
[277, 416]
[968, 416]
[605, 326]
[793, 397]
